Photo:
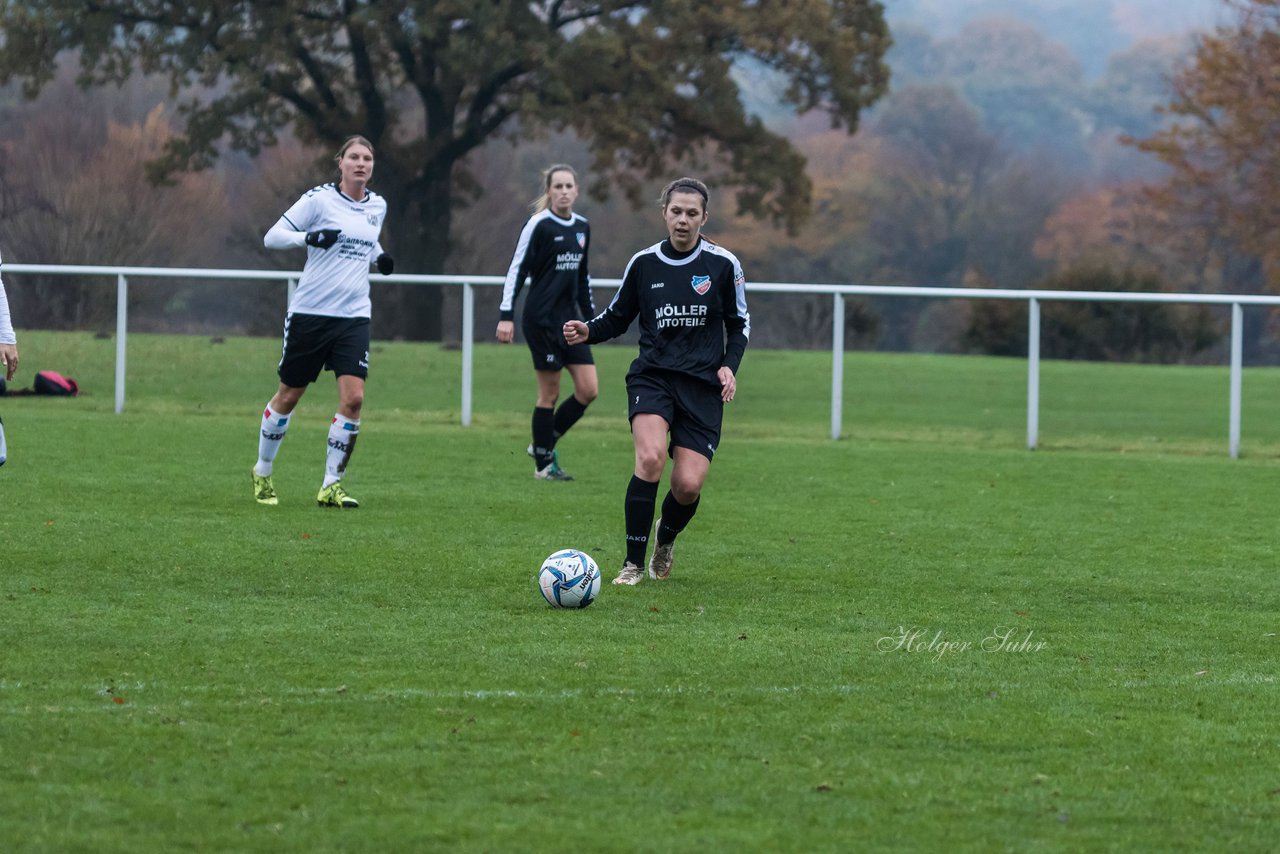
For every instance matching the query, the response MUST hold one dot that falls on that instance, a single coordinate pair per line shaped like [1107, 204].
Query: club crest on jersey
[701, 284]
[582, 239]
[373, 219]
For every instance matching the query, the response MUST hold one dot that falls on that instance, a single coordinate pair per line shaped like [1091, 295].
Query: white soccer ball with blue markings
[569, 579]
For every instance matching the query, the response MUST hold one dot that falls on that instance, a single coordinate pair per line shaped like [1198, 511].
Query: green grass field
[921, 637]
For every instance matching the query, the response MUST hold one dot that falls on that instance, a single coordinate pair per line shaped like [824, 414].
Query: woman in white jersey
[327, 326]
[8, 354]
[552, 253]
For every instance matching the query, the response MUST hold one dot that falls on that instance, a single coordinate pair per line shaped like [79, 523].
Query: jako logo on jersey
[582, 239]
[701, 284]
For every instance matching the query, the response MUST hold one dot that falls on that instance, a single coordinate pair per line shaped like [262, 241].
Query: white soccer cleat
[661, 560]
[630, 575]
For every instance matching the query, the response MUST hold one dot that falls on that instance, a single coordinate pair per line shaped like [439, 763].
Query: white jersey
[6, 325]
[335, 281]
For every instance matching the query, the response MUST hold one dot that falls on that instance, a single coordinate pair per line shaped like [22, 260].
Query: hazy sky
[1134, 18]
[1164, 17]
[1092, 30]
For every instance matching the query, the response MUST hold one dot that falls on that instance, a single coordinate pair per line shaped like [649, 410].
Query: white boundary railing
[838, 294]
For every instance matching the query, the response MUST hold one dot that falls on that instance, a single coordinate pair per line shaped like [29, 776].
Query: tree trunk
[417, 236]
[435, 220]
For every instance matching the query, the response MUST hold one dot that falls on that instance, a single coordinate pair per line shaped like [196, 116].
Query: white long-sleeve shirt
[334, 281]
[7, 335]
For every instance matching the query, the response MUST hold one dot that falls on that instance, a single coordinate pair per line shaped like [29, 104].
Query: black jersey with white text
[553, 252]
[692, 308]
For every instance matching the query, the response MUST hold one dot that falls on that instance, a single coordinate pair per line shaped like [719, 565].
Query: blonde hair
[544, 201]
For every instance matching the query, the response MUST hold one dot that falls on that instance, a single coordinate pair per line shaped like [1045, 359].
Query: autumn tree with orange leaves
[1224, 153]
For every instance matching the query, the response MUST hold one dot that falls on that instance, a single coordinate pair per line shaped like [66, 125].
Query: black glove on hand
[324, 238]
[386, 264]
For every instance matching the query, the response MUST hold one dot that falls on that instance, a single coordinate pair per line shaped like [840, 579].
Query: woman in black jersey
[552, 251]
[690, 296]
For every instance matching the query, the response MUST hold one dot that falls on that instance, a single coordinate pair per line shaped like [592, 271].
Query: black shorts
[691, 407]
[313, 343]
[551, 352]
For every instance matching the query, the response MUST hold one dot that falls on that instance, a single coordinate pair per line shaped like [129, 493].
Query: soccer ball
[569, 579]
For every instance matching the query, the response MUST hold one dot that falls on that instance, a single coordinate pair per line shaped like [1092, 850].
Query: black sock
[568, 414]
[544, 437]
[675, 516]
[642, 495]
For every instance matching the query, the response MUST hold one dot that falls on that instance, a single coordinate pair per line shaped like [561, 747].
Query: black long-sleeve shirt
[692, 308]
[553, 251]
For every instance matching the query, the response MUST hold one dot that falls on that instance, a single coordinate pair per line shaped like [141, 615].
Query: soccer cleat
[660, 561]
[334, 495]
[552, 472]
[263, 491]
[631, 574]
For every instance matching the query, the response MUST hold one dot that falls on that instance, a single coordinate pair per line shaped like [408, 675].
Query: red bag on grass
[52, 382]
[47, 383]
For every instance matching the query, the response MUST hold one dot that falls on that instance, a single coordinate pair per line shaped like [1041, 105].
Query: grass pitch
[920, 637]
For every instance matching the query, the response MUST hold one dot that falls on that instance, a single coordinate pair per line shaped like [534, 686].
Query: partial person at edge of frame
[327, 324]
[690, 296]
[8, 356]
[552, 253]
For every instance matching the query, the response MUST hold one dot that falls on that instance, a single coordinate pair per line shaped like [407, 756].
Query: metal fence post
[122, 324]
[468, 348]
[1237, 360]
[1033, 372]
[837, 363]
